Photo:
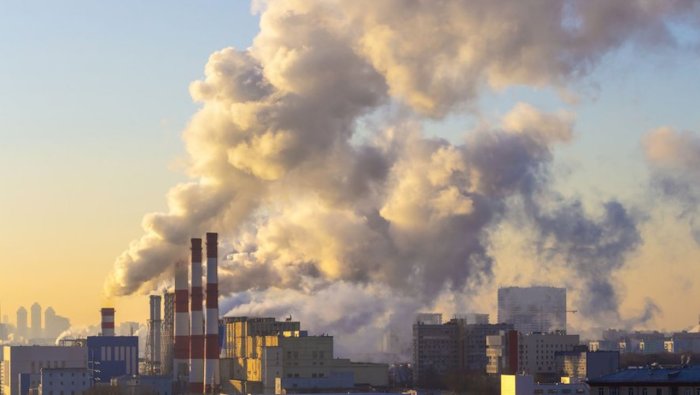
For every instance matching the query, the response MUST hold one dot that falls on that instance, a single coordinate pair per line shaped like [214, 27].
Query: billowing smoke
[674, 157]
[318, 207]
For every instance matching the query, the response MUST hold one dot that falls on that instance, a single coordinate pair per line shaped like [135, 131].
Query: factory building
[264, 356]
[111, 356]
[67, 381]
[22, 365]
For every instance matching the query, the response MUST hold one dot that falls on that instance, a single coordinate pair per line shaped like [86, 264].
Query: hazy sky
[94, 99]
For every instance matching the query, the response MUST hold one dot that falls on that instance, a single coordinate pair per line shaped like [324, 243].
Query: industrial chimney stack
[181, 345]
[107, 321]
[154, 335]
[211, 377]
[196, 385]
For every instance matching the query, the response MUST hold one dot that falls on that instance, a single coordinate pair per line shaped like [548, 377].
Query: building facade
[533, 309]
[66, 381]
[581, 365]
[28, 362]
[437, 350]
[112, 356]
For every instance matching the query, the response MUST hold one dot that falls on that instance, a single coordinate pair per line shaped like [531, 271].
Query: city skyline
[591, 145]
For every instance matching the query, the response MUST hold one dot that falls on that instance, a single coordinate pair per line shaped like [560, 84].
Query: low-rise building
[652, 380]
[25, 363]
[526, 385]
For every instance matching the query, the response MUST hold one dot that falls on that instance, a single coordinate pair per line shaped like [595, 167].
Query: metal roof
[651, 375]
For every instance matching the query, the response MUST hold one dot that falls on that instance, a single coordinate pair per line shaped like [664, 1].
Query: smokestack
[211, 377]
[197, 324]
[181, 345]
[154, 329]
[107, 321]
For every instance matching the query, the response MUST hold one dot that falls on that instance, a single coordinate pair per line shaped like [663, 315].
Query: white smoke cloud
[277, 169]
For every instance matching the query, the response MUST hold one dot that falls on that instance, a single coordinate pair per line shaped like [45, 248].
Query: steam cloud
[315, 202]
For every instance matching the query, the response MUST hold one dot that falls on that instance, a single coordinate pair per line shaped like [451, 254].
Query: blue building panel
[112, 356]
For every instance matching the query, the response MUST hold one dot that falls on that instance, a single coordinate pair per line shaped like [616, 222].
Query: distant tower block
[107, 321]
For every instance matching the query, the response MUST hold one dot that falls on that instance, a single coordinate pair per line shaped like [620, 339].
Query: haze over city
[361, 161]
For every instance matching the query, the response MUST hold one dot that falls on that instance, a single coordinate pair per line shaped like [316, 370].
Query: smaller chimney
[107, 321]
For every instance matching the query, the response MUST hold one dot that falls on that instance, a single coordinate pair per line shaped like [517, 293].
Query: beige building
[263, 356]
[30, 360]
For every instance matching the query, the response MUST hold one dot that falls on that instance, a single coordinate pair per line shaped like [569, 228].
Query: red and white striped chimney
[197, 321]
[211, 372]
[181, 346]
[107, 321]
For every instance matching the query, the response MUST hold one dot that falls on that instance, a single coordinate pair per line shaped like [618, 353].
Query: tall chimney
[154, 328]
[181, 345]
[197, 322]
[211, 377]
[107, 321]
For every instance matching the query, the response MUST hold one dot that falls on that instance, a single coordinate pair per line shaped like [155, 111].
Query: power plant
[183, 339]
[191, 333]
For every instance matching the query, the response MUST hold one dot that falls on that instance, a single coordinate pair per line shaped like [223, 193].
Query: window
[630, 391]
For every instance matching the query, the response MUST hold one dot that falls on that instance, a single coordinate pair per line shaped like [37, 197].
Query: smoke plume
[311, 201]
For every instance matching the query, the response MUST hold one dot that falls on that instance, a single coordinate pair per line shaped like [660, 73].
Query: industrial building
[263, 355]
[196, 347]
[67, 381]
[22, 365]
[533, 309]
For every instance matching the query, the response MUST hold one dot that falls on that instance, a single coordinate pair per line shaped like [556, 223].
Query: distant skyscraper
[54, 324]
[22, 322]
[36, 331]
[533, 309]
